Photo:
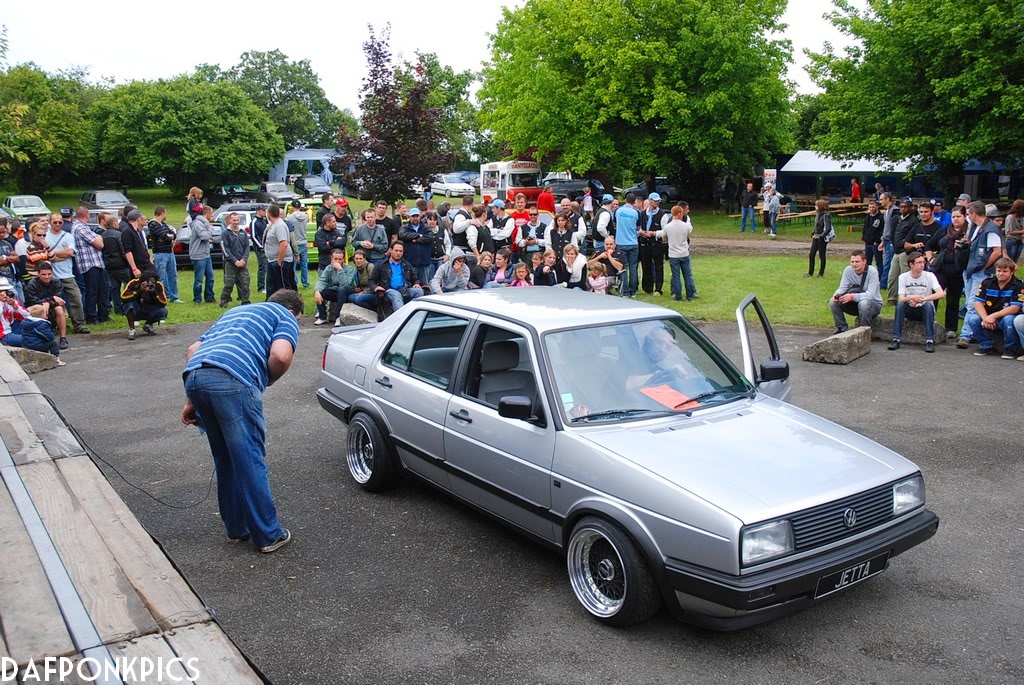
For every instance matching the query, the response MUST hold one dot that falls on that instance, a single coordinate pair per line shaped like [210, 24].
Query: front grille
[824, 523]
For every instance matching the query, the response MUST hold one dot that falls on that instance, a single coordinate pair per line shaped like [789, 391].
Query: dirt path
[755, 244]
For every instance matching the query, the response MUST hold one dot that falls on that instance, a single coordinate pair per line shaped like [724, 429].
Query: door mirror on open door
[515, 407]
[774, 370]
[773, 379]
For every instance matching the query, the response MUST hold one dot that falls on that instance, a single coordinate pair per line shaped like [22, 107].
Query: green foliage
[188, 131]
[43, 131]
[935, 81]
[809, 120]
[289, 92]
[652, 85]
[449, 92]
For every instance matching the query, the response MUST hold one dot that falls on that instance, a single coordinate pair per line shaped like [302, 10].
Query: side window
[426, 347]
[500, 367]
[400, 351]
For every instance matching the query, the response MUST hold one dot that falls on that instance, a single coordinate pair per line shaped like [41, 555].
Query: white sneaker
[337, 322]
[319, 322]
[131, 334]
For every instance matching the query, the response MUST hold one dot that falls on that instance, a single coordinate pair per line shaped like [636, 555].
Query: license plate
[840, 580]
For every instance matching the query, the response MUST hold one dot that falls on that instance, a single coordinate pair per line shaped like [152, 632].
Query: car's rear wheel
[447, 192]
[370, 457]
[609, 575]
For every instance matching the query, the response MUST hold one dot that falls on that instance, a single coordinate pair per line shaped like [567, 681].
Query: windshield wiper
[708, 395]
[613, 413]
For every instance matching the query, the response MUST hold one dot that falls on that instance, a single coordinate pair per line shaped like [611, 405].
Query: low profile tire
[370, 457]
[609, 575]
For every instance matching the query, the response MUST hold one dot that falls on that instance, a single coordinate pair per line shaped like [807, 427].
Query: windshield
[111, 197]
[234, 189]
[453, 178]
[531, 180]
[277, 188]
[639, 368]
[26, 202]
[312, 181]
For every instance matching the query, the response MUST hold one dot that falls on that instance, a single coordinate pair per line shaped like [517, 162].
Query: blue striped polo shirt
[239, 342]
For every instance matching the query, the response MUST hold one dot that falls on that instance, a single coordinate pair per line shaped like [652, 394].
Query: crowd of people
[921, 255]
[436, 249]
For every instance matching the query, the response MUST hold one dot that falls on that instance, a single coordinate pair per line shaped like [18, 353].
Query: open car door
[771, 376]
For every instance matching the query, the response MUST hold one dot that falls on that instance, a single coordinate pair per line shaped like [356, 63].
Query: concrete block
[841, 348]
[354, 315]
[32, 361]
[913, 331]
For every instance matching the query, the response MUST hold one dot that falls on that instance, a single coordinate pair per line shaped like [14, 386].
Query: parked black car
[275, 193]
[576, 188]
[220, 195]
[667, 191]
[308, 186]
[180, 248]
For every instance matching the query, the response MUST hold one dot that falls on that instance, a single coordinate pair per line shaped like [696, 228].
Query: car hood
[757, 459]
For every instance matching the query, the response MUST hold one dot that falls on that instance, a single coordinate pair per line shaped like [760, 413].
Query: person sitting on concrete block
[995, 305]
[858, 293]
[918, 291]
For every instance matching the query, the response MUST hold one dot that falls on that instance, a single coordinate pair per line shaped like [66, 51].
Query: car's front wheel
[370, 457]
[609, 575]
[447, 192]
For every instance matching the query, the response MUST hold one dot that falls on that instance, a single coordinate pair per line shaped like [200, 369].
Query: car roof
[545, 309]
[240, 207]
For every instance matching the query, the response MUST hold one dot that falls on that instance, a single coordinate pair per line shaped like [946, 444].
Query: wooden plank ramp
[22, 442]
[56, 438]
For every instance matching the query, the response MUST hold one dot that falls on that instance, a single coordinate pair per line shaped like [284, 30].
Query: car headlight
[766, 541]
[907, 495]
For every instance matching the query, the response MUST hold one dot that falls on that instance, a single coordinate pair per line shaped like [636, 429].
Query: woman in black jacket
[947, 253]
[547, 272]
[822, 228]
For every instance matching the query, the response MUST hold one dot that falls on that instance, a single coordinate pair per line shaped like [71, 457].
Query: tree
[289, 92]
[44, 130]
[188, 131]
[809, 122]
[938, 82]
[647, 85]
[449, 92]
[401, 142]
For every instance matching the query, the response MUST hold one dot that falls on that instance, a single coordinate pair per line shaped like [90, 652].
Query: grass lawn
[722, 281]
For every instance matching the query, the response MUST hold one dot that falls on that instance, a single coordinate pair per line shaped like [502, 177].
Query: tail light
[323, 360]
[177, 248]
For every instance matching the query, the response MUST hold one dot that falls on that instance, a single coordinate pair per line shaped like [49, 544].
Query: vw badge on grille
[850, 518]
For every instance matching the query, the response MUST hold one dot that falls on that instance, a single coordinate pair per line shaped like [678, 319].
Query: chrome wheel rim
[359, 454]
[596, 573]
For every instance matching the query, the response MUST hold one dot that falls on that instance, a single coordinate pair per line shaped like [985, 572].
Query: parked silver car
[618, 433]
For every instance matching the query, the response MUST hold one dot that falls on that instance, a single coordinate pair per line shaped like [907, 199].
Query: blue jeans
[365, 300]
[231, 414]
[873, 256]
[887, 253]
[423, 274]
[971, 286]
[302, 265]
[983, 335]
[19, 289]
[678, 264]
[1014, 248]
[97, 299]
[1018, 325]
[774, 218]
[748, 212]
[925, 312]
[396, 299]
[333, 298]
[630, 281]
[167, 272]
[203, 270]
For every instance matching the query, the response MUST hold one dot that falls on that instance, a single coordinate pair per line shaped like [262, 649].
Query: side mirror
[774, 370]
[515, 407]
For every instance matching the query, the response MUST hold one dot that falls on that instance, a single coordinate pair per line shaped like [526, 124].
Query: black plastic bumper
[333, 404]
[725, 602]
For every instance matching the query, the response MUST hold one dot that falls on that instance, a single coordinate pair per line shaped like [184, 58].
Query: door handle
[461, 415]
[383, 382]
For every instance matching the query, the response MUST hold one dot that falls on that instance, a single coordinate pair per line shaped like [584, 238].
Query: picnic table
[80, 577]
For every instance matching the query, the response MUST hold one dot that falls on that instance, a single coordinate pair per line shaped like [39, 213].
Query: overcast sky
[146, 40]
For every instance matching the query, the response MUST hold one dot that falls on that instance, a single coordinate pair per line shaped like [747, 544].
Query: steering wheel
[663, 377]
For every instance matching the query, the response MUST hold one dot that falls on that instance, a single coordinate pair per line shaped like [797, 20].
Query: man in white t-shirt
[918, 292]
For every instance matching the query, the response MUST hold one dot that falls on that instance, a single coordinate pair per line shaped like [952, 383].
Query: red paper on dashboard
[668, 396]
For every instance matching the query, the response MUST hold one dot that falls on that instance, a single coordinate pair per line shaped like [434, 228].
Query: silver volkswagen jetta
[617, 432]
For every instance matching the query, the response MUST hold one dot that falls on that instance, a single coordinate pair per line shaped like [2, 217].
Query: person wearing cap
[61, 251]
[19, 329]
[964, 200]
[342, 215]
[652, 248]
[418, 240]
[906, 225]
[627, 223]
[986, 249]
[200, 241]
[997, 215]
[298, 223]
[502, 228]
[259, 236]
